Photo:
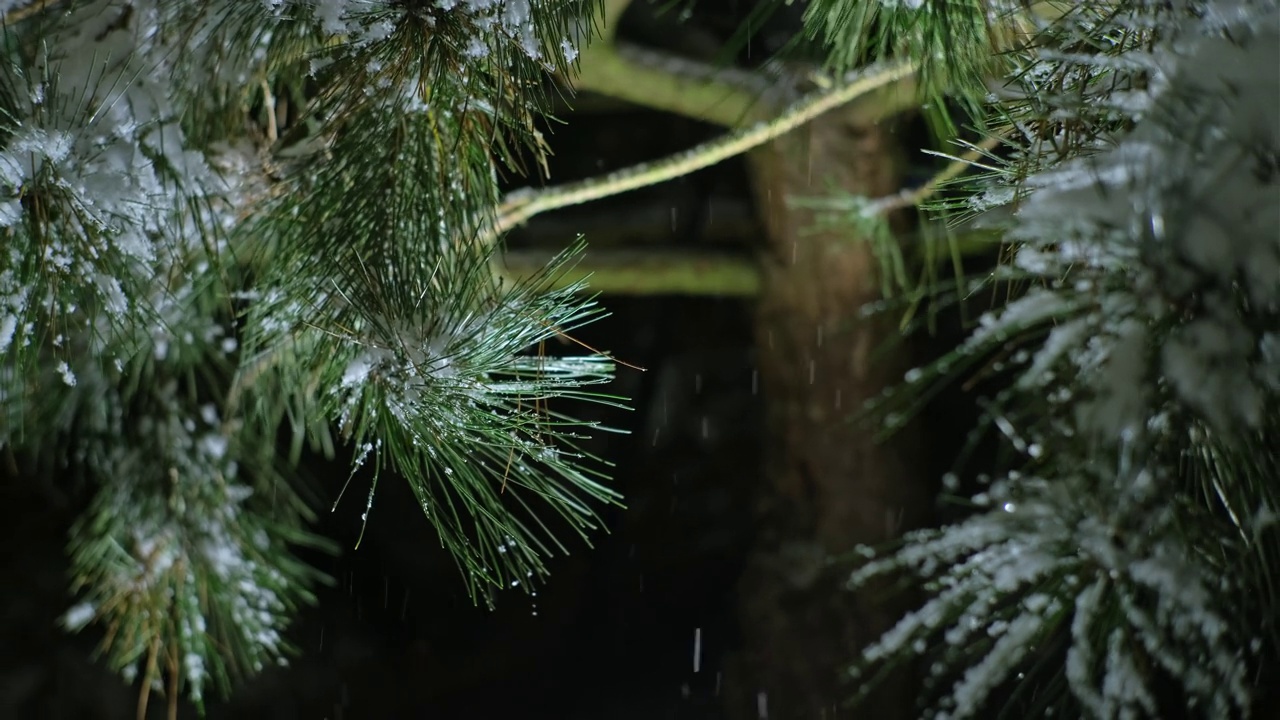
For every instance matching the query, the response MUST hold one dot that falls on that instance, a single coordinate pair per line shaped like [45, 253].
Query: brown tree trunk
[829, 485]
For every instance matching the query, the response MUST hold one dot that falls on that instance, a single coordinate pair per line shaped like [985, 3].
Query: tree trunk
[829, 485]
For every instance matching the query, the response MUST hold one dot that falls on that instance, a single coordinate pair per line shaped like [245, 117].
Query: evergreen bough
[234, 226]
[1121, 561]
[227, 219]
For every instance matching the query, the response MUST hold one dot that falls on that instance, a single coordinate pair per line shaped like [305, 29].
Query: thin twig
[518, 207]
[269, 102]
[144, 693]
[913, 197]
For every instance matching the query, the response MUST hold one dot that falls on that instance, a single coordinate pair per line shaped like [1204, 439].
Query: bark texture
[830, 486]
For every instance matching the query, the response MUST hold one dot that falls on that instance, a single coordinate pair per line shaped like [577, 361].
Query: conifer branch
[519, 206]
[144, 267]
[650, 271]
[660, 81]
[1112, 535]
[915, 197]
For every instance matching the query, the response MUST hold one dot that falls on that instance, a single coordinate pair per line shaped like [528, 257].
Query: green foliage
[228, 219]
[960, 44]
[1120, 560]
[185, 555]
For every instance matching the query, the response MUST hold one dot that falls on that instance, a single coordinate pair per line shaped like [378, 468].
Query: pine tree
[239, 228]
[234, 225]
[1120, 560]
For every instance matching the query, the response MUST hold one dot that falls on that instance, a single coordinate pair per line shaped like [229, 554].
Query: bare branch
[518, 207]
[661, 81]
[665, 271]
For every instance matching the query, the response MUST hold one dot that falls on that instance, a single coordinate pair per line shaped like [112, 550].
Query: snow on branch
[1141, 214]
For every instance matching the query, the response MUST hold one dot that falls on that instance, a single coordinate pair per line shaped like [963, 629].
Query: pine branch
[917, 197]
[130, 291]
[674, 271]
[960, 44]
[722, 96]
[682, 272]
[1114, 532]
[518, 207]
[643, 272]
